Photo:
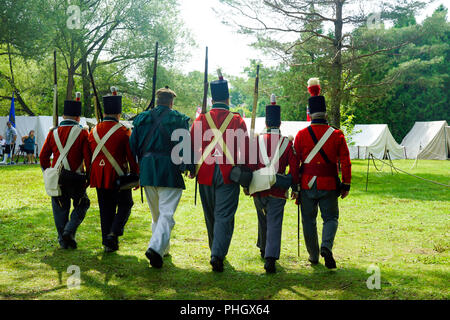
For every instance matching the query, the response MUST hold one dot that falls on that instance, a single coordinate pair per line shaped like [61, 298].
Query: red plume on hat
[78, 96]
[314, 87]
[219, 73]
[114, 91]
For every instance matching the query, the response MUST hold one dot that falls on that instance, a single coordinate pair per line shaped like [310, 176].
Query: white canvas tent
[287, 128]
[447, 131]
[376, 139]
[427, 140]
[40, 124]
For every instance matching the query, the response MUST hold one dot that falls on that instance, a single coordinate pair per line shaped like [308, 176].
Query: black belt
[156, 154]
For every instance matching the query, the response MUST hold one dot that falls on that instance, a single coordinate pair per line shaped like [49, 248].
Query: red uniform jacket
[288, 158]
[103, 174]
[79, 151]
[335, 149]
[236, 141]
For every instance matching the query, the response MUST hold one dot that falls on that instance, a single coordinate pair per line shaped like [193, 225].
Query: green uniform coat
[157, 169]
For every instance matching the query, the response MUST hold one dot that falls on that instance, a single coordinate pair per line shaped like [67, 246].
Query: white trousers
[162, 202]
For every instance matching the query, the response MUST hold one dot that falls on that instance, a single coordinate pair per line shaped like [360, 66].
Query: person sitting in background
[29, 146]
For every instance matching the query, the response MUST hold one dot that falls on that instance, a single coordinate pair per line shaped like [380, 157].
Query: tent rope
[413, 175]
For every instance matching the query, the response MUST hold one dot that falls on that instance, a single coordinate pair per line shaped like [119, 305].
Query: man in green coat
[161, 178]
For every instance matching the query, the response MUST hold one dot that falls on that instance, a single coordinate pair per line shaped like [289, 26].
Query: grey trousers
[219, 202]
[270, 221]
[61, 211]
[327, 200]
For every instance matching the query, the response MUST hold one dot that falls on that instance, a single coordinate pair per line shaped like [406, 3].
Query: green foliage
[417, 76]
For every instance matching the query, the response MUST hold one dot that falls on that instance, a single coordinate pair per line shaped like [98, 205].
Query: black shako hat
[73, 108]
[317, 104]
[112, 104]
[273, 113]
[219, 88]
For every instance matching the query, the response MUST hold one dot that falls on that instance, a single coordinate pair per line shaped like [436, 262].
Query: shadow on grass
[116, 276]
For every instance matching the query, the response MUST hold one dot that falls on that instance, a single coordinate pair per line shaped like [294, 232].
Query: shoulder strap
[64, 151]
[222, 129]
[319, 144]
[101, 143]
[156, 124]
[279, 151]
[105, 151]
[218, 139]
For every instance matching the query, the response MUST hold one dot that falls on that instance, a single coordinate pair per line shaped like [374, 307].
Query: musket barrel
[255, 102]
[155, 69]
[205, 84]
[55, 92]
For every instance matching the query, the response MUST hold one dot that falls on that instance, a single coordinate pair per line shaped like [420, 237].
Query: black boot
[111, 243]
[155, 259]
[70, 240]
[270, 265]
[217, 264]
[328, 256]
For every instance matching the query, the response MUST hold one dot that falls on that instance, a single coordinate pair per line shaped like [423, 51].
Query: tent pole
[367, 176]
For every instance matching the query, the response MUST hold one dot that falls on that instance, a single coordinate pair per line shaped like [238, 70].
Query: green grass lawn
[401, 225]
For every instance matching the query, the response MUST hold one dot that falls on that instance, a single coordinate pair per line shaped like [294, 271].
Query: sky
[227, 49]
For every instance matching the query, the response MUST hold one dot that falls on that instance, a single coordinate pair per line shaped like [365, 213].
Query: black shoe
[328, 256]
[63, 245]
[217, 264]
[313, 262]
[155, 259]
[70, 240]
[263, 253]
[270, 265]
[109, 250]
[112, 242]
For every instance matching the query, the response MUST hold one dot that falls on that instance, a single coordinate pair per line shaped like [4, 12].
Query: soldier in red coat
[77, 160]
[111, 157]
[277, 151]
[320, 149]
[220, 142]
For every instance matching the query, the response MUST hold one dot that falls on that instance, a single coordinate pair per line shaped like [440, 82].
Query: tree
[21, 36]
[422, 75]
[269, 18]
[106, 32]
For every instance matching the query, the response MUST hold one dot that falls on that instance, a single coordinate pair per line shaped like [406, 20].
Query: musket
[255, 103]
[205, 84]
[97, 105]
[155, 69]
[55, 92]
[298, 230]
[204, 104]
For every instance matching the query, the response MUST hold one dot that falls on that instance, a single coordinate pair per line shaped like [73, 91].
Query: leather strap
[64, 151]
[279, 151]
[218, 139]
[156, 124]
[320, 170]
[101, 146]
[317, 148]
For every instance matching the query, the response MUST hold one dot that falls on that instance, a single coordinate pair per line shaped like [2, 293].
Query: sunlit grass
[401, 225]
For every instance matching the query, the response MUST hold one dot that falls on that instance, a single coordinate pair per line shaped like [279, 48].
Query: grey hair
[318, 115]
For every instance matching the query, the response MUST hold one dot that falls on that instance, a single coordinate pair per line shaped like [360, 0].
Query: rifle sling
[156, 124]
